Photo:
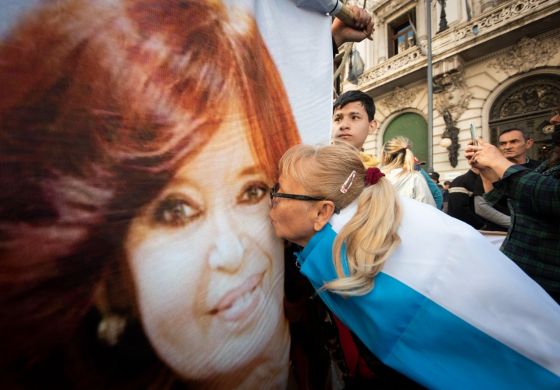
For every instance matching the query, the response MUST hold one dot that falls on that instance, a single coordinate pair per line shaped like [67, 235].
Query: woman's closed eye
[253, 192]
[176, 211]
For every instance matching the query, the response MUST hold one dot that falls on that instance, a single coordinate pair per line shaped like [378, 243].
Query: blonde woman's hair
[371, 234]
[397, 153]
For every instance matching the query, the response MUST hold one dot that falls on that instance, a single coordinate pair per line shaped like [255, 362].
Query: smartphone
[473, 135]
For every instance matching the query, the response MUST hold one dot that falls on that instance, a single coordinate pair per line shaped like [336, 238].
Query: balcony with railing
[498, 27]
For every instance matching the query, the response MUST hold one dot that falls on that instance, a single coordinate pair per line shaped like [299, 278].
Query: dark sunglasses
[275, 194]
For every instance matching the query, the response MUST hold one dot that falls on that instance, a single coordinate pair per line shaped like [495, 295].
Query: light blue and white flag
[448, 309]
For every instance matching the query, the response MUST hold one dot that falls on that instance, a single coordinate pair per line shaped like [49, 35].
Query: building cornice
[389, 9]
[460, 38]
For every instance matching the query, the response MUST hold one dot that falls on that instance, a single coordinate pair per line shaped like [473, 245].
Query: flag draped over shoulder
[448, 309]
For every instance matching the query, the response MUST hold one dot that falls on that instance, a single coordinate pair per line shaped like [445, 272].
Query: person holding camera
[533, 241]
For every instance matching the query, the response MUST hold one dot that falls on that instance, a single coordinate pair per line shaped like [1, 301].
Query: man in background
[514, 143]
[533, 240]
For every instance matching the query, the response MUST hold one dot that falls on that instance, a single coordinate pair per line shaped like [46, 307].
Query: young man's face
[351, 124]
[514, 146]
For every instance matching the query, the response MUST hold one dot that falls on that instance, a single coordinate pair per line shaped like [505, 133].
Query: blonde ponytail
[397, 153]
[369, 238]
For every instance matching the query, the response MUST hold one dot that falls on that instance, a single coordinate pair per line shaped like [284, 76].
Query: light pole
[430, 84]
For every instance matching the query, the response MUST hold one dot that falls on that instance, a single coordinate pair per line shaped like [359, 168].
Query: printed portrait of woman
[138, 143]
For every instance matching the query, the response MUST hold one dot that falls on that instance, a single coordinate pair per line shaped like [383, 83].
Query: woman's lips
[239, 301]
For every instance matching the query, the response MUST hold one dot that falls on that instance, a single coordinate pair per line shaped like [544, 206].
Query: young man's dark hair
[356, 96]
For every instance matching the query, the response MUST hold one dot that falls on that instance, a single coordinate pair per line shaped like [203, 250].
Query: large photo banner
[138, 143]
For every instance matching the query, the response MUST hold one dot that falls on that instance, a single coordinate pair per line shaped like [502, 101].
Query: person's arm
[330, 7]
[535, 191]
[491, 196]
[459, 206]
[488, 177]
[434, 189]
[488, 159]
[352, 24]
[481, 157]
[483, 209]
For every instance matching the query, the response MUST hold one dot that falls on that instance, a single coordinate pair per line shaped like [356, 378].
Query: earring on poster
[111, 328]
[112, 325]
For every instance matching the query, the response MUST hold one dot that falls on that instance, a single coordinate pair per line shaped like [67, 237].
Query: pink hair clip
[348, 182]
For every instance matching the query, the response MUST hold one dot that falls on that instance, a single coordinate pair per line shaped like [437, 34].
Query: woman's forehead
[296, 169]
[289, 182]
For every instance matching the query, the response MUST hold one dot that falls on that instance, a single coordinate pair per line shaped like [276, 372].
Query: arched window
[413, 127]
[528, 103]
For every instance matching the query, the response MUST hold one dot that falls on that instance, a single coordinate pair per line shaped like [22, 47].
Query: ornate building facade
[496, 64]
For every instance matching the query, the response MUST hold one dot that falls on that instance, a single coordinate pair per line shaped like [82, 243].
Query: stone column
[380, 40]
[421, 18]
[421, 28]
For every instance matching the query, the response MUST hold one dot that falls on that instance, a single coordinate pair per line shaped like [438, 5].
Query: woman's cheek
[259, 228]
[261, 233]
[165, 271]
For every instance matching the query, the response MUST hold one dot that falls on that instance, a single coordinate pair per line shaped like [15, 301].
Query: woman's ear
[325, 211]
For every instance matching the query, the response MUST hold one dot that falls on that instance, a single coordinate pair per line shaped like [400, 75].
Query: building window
[401, 33]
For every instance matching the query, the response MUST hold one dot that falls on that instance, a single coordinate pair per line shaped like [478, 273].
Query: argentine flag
[448, 310]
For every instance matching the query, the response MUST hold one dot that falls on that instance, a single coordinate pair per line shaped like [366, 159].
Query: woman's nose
[227, 253]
